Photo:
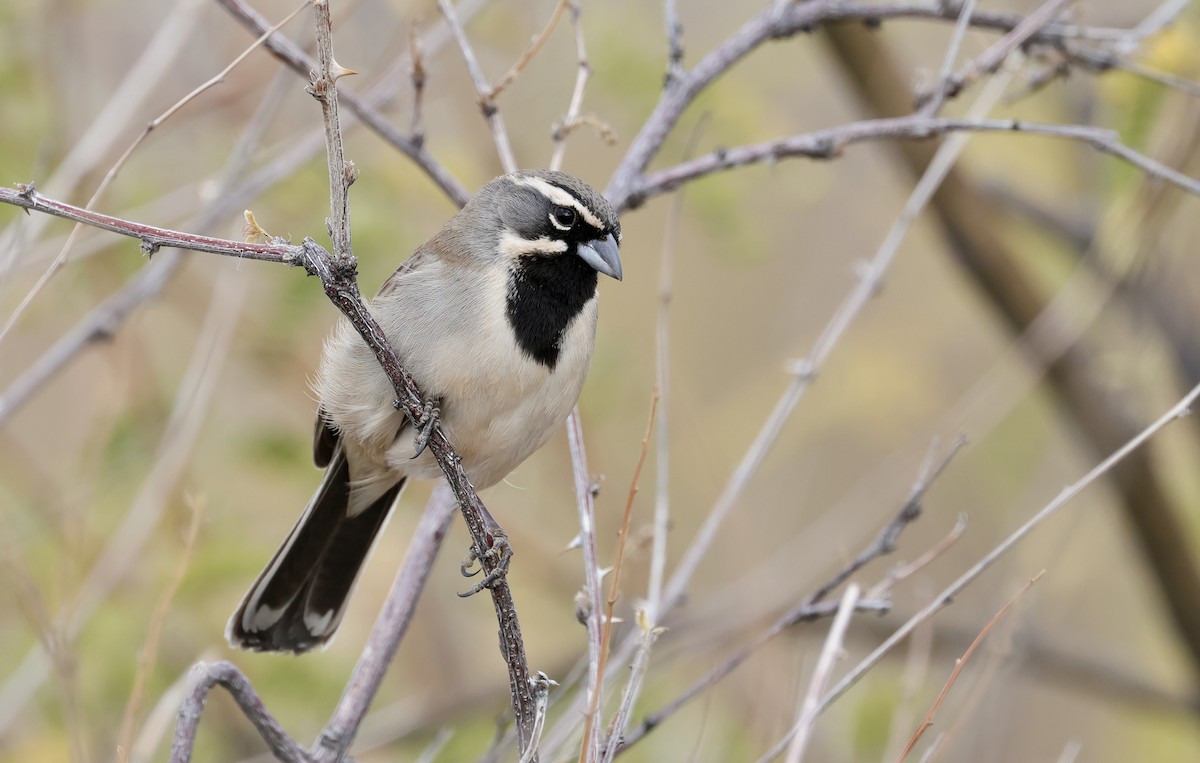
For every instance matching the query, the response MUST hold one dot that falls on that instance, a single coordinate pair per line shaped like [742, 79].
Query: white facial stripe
[562, 198]
[513, 245]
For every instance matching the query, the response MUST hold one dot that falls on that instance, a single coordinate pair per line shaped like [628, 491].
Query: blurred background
[1045, 306]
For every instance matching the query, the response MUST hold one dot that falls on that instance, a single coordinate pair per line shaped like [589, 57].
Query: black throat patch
[545, 293]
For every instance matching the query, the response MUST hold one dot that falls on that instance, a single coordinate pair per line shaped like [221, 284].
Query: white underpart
[449, 326]
[562, 198]
[513, 245]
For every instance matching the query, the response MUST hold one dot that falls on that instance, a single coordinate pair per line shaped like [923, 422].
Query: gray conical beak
[603, 255]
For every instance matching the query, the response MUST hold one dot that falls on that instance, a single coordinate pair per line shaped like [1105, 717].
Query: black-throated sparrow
[495, 317]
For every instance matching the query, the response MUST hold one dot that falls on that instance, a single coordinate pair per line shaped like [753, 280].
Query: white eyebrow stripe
[562, 198]
[513, 245]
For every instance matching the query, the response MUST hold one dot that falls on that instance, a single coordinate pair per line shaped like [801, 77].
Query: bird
[495, 319]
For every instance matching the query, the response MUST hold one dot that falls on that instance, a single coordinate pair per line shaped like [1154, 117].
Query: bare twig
[390, 627]
[417, 76]
[61, 260]
[950, 86]
[583, 72]
[531, 51]
[491, 112]
[585, 501]
[157, 60]
[647, 618]
[291, 54]
[1155, 22]
[820, 677]
[958, 666]
[828, 144]
[323, 87]
[149, 651]
[104, 320]
[1180, 409]
[781, 20]
[121, 552]
[205, 677]
[614, 585]
[811, 607]
[938, 97]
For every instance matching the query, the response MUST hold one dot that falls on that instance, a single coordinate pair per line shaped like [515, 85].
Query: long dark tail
[299, 599]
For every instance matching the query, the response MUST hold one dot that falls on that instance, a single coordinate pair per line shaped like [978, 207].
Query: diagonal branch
[412, 147]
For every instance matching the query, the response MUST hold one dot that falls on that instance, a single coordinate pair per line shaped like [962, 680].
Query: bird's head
[542, 213]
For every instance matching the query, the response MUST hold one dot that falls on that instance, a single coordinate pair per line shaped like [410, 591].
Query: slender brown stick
[959, 664]
[531, 51]
[614, 586]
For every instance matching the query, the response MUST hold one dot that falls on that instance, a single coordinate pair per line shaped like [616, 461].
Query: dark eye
[563, 217]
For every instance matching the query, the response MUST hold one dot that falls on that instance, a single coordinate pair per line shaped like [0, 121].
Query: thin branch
[647, 617]
[1156, 21]
[782, 20]
[591, 615]
[61, 260]
[389, 630]
[149, 651]
[583, 73]
[614, 585]
[1179, 410]
[939, 95]
[341, 175]
[291, 54]
[927, 721]
[417, 76]
[531, 51]
[105, 319]
[158, 59]
[123, 549]
[820, 677]
[491, 112]
[990, 61]
[811, 607]
[205, 677]
[830, 143]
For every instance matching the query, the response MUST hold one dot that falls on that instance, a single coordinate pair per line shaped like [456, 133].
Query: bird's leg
[424, 425]
[498, 548]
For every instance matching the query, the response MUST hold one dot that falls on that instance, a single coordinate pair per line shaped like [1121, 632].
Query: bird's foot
[499, 549]
[425, 425]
